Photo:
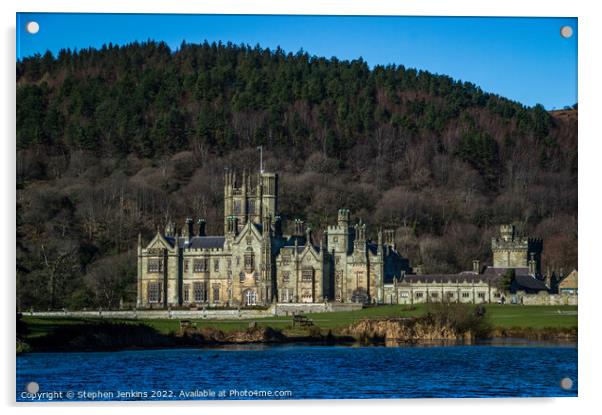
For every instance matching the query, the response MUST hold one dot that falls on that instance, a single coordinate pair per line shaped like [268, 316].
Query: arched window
[249, 265]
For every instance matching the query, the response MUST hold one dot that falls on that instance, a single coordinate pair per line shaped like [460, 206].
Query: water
[302, 372]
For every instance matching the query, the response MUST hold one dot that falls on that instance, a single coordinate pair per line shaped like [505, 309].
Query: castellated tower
[513, 251]
[338, 236]
[249, 199]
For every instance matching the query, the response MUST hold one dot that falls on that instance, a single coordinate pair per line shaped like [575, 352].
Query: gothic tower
[247, 202]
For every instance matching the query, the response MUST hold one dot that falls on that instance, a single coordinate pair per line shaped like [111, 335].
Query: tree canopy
[119, 140]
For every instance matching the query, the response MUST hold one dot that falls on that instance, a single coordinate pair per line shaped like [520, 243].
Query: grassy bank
[503, 318]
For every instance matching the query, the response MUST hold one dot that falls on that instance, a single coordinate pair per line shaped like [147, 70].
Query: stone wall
[213, 314]
[544, 298]
[283, 309]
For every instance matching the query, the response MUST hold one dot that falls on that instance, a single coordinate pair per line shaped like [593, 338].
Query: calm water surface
[302, 372]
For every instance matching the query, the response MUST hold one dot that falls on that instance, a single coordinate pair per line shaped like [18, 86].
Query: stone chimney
[278, 226]
[299, 228]
[476, 266]
[202, 225]
[389, 236]
[187, 231]
[190, 227]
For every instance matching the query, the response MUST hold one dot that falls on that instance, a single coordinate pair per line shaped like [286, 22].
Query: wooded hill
[119, 140]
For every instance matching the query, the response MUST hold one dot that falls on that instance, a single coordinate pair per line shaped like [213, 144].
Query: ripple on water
[316, 372]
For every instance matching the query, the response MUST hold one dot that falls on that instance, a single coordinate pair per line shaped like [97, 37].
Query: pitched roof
[498, 272]
[530, 283]
[198, 242]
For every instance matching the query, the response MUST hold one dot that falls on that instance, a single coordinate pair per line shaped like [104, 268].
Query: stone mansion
[254, 263]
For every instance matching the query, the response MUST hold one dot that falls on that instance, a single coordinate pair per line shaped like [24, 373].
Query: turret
[507, 232]
[343, 218]
[389, 238]
[170, 229]
[360, 236]
[338, 236]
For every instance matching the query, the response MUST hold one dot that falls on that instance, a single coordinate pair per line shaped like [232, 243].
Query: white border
[590, 72]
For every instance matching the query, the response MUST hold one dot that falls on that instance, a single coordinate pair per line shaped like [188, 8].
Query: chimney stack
[476, 266]
[188, 231]
[202, 224]
[299, 228]
[278, 225]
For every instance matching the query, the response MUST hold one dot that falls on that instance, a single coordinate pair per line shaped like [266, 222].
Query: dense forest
[119, 140]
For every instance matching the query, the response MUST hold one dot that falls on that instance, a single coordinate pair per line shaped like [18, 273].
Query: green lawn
[501, 316]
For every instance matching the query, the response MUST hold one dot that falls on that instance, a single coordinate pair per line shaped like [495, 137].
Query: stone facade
[466, 287]
[569, 284]
[253, 263]
[481, 285]
[511, 250]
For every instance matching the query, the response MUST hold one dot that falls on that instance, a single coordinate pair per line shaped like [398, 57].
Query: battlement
[516, 251]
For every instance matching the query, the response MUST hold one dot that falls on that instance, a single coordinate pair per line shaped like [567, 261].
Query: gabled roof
[248, 227]
[570, 281]
[167, 242]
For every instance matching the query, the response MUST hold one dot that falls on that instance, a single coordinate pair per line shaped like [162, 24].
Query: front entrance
[250, 297]
[360, 296]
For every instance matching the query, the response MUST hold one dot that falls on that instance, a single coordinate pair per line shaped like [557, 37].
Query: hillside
[118, 140]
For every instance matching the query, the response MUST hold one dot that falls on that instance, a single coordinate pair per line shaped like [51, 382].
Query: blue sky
[524, 59]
